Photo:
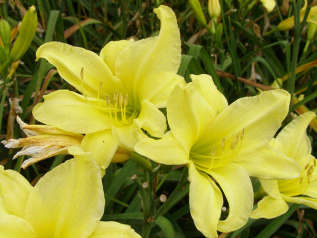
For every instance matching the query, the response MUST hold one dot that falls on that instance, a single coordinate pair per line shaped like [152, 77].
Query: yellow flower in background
[67, 202]
[123, 89]
[294, 143]
[43, 142]
[214, 8]
[289, 22]
[222, 145]
[269, 4]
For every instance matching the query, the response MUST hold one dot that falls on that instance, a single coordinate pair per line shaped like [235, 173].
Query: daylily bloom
[268, 4]
[123, 89]
[294, 143]
[289, 22]
[222, 145]
[44, 141]
[67, 202]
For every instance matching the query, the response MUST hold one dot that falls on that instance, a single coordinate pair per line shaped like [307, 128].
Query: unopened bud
[195, 4]
[5, 33]
[214, 8]
[26, 34]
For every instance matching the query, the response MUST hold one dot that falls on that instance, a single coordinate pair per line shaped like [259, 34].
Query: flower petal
[268, 4]
[72, 112]
[164, 151]
[310, 202]
[128, 136]
[112, 50]
[237, 187]
[257, 118]
[15, 227]
[112, 229]
[68, 201]
[14, 191]
[269, 208]
[206, 87]
[188, 123]
[82, 68]
[268, 163]
[102, 145]
[205, 201]
[293, 139]
[151, 119]
[271, 187]
[159, 94]
[143, 59]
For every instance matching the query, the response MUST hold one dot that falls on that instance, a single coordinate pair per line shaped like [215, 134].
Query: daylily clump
[294, 143]
[222, 145]
[67, 202]
[121, 89]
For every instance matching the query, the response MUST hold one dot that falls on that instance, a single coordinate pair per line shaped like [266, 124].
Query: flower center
[121, 109]
[208, 157]
[297, 186]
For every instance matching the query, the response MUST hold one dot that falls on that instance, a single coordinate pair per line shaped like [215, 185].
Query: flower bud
[195, 4]
[26, 34]
[5, 33]
[214, 8]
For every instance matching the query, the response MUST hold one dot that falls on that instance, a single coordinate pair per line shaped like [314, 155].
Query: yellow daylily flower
[222, 145]
[289, 22]
[294, 143]
[67, 202]
[123, 89]
[43, 142]
[269, 4]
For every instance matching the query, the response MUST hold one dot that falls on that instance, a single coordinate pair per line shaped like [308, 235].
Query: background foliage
[244, 54]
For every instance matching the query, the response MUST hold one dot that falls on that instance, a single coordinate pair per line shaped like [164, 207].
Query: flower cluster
[118, 109]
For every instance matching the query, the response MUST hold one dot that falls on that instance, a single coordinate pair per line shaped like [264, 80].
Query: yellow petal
[151, 119]
[312, 189]
[164, 151]
[112, 50]
[310, 202]
[14, 191]
[82, 68]
[205, 201]
[112, 229]
[268, 4]
[268, 163]
[128, 136]
[159, 94]
[237, 187]
[72, 112]
[293, 140]
[102, 145]
[206, 87]
[271, 187]
[68, 201]
[257, 118]
[15, 227]
[188, 122]
[269, 208]
[143, 59]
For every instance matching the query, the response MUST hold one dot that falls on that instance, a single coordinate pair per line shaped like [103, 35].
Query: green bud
[195, 4]
[26, 33]
[311, 32]
[5, 33]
